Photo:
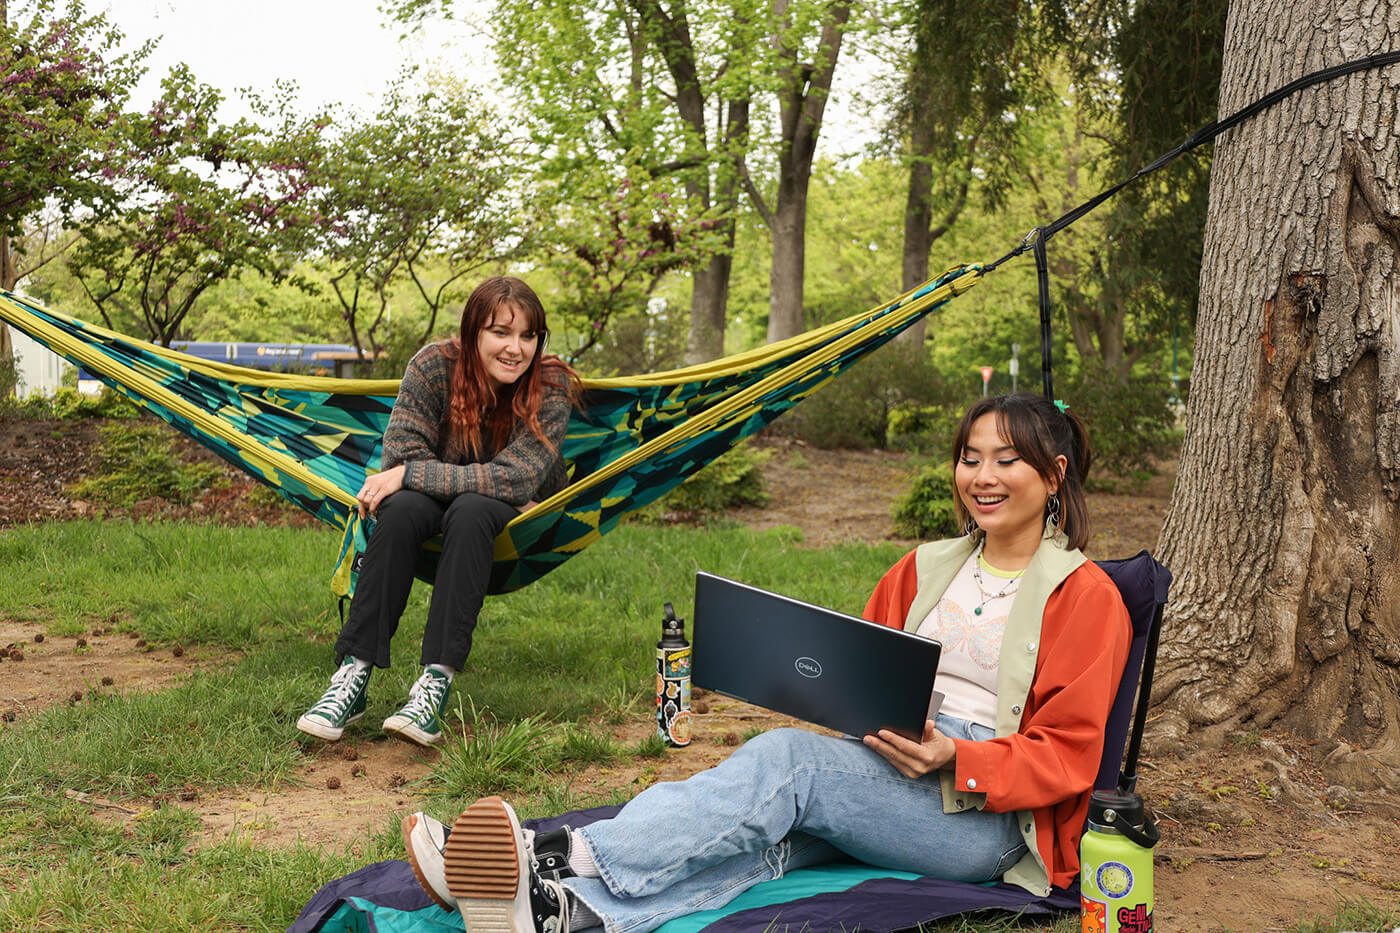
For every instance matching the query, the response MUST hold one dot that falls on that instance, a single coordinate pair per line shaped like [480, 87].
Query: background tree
[1284, 532]
[805, 44]
[1149, 74]
[609, 265]
[415, 196]
[971, 71]
[200, 202]
[664, 87]
[62, 87]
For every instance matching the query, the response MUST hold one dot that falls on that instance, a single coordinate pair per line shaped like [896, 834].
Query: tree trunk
[8, 277]
[1283, 531]
[802, 104]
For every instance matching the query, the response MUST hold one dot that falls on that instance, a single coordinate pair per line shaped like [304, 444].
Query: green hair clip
[1061, 406]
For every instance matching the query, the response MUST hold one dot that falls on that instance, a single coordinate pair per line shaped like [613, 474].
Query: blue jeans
[786, 799]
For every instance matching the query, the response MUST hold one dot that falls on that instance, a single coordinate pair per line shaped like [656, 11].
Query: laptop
[811, 663]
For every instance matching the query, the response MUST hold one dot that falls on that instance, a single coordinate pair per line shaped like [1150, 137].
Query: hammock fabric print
[314, 439]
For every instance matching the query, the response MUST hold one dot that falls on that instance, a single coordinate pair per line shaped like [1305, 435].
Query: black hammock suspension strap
[1036, 239]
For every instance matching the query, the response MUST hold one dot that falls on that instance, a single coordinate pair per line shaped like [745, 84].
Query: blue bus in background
[313, 359]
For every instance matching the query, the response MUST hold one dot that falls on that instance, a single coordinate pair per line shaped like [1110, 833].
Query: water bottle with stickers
[673, 681]
[1115, 865]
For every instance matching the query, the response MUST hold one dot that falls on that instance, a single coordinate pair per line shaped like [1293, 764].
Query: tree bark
[1284, 527]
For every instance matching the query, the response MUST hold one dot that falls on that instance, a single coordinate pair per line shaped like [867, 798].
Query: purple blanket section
[882, 904]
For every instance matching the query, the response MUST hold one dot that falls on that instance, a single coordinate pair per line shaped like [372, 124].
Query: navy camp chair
[1143, 583]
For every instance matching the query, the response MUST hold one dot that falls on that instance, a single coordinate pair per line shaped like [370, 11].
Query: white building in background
[37, 368]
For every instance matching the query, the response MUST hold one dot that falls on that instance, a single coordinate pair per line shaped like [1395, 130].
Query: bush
[139, 461]
[927, 510]
[858, 407]
[731, 480]
[1130, 426]
[926, 429]
[68, 404]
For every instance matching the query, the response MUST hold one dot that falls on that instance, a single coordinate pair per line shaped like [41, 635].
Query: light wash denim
[786, 799]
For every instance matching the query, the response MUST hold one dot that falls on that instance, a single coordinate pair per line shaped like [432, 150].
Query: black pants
[469, 525]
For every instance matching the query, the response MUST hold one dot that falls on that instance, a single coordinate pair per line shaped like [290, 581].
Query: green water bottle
[1115, 865]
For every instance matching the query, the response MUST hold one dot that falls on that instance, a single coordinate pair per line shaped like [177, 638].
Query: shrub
[927, 511]
[857, 408]
[927, 429]
[139, 461]
[68, 404]
[1130, 426]
[731, 480]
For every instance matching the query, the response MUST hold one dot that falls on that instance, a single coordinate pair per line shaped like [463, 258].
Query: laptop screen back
[809, 662]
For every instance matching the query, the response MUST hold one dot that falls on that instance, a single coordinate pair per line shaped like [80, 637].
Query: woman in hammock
[473, 439]
[1034, 641]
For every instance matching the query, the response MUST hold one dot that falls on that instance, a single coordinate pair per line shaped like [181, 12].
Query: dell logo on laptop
[808, 667]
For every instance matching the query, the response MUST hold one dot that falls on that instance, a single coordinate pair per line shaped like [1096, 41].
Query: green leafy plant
[732, 480]
[139, 461]
[1131, 425]
[859, 408]
[927, 511]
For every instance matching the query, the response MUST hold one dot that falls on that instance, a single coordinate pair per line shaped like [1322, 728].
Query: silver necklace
[1011, 587]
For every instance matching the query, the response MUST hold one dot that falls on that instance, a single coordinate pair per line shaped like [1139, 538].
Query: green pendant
[977, 611]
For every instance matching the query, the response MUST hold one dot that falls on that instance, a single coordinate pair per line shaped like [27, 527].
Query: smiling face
[998, 488]
[507, 345]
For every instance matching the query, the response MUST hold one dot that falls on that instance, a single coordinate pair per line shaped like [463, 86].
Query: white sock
[361, 665]
[581, 857]
[450, 672]
[581, 917]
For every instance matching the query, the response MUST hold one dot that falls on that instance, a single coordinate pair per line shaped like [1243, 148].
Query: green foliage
[729, 481]
[857, 408]
[139, 461]
[68, 404]
[63, 92]
[1131, 425]
[927, 510]
[409, 202]
[9, 378]
[200, 201]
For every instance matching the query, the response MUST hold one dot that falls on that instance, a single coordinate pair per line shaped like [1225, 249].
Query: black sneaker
[489, 863]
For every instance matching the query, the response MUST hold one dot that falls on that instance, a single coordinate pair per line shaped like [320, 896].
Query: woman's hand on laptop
[914, 759]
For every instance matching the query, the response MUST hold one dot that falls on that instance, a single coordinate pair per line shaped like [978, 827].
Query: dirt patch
[41, 459]
[39, 670]
[1253, 839]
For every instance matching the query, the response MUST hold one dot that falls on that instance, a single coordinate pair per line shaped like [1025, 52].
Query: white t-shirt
[967, 669]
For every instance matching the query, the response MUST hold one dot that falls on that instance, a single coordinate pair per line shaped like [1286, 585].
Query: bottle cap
[1123, 814]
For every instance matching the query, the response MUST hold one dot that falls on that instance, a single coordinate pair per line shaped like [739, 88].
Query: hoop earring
[1052, 509]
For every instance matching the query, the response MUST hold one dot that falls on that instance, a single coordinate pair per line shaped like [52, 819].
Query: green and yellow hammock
[630, 441]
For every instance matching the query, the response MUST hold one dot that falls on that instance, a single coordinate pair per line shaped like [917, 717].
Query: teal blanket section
[805, 882]
[358, 915]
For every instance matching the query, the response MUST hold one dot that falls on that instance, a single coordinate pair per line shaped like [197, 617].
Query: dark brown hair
[1039, 431]
[476, 408]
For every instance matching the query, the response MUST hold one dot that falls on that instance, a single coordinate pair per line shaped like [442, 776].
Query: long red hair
[477, 410]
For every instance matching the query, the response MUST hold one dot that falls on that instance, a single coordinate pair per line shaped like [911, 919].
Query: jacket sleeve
[889, 604]
[1055, 754]
[514, 474]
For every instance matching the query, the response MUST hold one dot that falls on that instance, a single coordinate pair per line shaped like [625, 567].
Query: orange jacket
[1046, 768]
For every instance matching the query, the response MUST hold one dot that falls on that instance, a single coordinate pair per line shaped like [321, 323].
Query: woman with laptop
[1034, 641]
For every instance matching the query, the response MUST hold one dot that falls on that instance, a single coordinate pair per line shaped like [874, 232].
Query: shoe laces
[345, 686]
[425, 696]
[559, 923]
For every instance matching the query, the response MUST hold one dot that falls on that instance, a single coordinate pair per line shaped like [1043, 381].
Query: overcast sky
[337, 51]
